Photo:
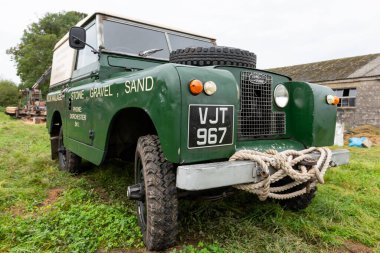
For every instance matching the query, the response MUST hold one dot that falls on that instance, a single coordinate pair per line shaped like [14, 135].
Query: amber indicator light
[332, 100]
[336, 100]
[195, 87]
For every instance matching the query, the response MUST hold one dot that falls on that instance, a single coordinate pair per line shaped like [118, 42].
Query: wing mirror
[77, 37]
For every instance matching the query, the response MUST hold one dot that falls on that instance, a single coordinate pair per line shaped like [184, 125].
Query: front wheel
[68, 161]
[300, 202]
[158, 208]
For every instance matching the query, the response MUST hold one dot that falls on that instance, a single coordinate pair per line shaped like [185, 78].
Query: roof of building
[338, 69]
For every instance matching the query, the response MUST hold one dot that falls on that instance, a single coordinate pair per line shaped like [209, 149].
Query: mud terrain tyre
[68, 161]
[158, 211]
[209, 56]
[298, 203]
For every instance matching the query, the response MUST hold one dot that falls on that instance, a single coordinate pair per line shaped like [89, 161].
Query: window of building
[347, 97]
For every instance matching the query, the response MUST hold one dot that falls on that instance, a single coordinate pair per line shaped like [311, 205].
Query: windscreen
[177, 42]
[136, 40]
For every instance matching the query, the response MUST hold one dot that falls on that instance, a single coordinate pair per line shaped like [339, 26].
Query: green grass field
[45, 210]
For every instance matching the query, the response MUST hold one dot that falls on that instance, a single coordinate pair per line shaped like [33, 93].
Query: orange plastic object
[336, 100]
[195, 87]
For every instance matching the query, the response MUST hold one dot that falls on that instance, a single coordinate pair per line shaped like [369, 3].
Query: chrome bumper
[220, 174]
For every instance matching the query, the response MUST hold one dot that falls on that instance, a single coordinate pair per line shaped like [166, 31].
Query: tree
[33, 55]
[9, 93]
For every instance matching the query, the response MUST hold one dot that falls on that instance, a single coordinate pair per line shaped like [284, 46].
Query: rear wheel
[158, 208]
[68, 161]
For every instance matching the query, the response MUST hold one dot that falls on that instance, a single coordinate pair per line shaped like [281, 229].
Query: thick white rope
[287, 163]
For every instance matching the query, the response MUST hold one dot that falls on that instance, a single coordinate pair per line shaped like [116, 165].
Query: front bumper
[220, 174]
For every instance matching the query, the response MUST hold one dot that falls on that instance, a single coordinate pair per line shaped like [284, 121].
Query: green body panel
[160, 100]
[91, 100]
[75, 98]
[100, 100]
[85, 151]
[104, 102]
[263, 145]
[128, 63]
[102, 105]
[102, 93]
[310, 120]
[227, 94]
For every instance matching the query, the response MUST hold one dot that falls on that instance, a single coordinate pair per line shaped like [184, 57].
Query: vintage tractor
[31, 104]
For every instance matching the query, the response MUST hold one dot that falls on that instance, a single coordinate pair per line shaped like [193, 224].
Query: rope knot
[298, 165]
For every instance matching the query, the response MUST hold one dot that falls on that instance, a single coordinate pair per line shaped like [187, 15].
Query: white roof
[91, 16]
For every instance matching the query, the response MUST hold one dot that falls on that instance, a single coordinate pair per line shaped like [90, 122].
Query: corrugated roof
[338, 69]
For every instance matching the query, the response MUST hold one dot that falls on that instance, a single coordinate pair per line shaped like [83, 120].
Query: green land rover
[183, 108]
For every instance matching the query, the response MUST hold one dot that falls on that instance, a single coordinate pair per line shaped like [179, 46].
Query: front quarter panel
[161, 100]
[226, 95]
[310, 120]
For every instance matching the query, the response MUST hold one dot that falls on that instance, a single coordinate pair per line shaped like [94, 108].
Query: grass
[45, 210]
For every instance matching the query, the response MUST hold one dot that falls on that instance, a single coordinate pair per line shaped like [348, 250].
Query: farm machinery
[31, 104]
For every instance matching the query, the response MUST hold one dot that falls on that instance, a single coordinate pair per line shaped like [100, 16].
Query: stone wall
[367, 110]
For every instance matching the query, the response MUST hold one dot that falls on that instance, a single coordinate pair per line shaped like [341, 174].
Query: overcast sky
[280, 32]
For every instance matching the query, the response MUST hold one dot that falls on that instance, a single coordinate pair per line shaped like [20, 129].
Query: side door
[79, 120]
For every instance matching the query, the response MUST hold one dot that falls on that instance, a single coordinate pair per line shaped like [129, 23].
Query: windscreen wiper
[150, 52]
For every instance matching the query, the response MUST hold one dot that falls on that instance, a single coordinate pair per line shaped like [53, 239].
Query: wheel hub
[136, 192]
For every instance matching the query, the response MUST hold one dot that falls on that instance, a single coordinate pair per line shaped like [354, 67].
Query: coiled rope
[298, 165]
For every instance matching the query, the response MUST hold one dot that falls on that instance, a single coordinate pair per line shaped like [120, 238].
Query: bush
[8, 93]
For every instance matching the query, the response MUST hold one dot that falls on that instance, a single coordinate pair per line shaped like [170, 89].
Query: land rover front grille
[256, 118]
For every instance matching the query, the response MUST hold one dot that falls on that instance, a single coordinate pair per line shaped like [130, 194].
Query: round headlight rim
[210, 85]
[275, 97]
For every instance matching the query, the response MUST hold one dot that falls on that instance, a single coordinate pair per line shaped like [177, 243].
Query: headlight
[209, 88]
[281, 96]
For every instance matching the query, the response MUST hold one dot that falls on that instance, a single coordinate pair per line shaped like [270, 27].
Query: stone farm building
[356, 80]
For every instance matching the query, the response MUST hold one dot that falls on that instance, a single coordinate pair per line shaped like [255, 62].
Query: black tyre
[68, 161]
[209, 56]
[298, 203]
[158, 211]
